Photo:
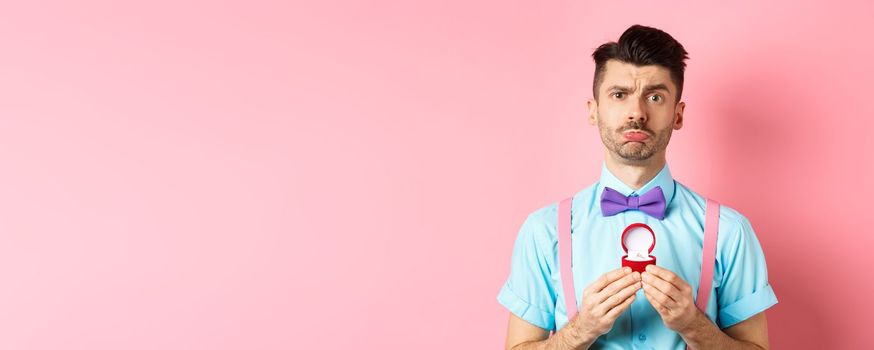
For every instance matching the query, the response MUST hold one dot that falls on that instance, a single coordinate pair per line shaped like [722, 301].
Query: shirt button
[641, 337]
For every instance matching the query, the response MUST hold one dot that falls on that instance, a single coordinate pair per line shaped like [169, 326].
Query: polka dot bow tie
[652, 202]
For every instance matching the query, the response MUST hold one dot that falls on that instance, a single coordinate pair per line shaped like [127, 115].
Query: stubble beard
[634, 151]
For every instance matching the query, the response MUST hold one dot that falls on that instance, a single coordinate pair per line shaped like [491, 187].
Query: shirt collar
[663, 179]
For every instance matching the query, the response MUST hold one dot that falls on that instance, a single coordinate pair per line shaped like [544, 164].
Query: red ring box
[637, 237]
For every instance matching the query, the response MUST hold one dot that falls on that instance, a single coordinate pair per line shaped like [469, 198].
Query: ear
[592, 105]
[678, 121]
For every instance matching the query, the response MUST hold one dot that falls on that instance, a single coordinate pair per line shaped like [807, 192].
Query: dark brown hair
[641, 46]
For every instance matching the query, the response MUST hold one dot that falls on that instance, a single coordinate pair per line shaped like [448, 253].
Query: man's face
[635, 111]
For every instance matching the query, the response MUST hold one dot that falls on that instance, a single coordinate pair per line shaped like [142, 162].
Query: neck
[635, 174]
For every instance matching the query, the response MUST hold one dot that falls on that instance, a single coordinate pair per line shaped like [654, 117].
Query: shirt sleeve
[528, 292]
[744, 290]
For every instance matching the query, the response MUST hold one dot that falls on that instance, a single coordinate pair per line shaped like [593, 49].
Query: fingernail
[627, 269]
[649, 267]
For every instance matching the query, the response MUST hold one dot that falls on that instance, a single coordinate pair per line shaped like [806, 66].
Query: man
[636, 105]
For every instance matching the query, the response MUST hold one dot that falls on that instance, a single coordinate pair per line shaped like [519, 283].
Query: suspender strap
[708, 258]
[564, 253]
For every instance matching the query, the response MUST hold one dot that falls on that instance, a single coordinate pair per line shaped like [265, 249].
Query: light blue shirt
[740, 278]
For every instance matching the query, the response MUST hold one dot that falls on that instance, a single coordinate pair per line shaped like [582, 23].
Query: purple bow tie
[652, 202]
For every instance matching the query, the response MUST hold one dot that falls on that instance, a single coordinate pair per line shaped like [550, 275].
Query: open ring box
[638, 240]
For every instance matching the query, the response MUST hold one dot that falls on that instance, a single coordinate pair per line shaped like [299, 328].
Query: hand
[604, 300]
[670, 296]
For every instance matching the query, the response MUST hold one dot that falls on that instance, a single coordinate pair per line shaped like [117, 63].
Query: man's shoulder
[731, 220]
[543, 220]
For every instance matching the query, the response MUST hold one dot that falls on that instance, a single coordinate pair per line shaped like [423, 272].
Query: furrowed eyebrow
[619, 88]
[656, 87]
[648, 88]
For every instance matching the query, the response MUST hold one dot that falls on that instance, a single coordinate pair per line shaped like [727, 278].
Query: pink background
[241, 175]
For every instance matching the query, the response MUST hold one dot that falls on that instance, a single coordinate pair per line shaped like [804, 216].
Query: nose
[637, 112]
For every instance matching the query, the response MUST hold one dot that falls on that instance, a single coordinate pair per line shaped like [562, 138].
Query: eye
[656, 98]
[617, 93]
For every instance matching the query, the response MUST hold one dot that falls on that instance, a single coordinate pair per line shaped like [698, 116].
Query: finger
[666, 275]
[616, 286]
[606, 279]
[664, 286]
[655, 296]
[614, 312]
[617, 298]
[661, 309]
